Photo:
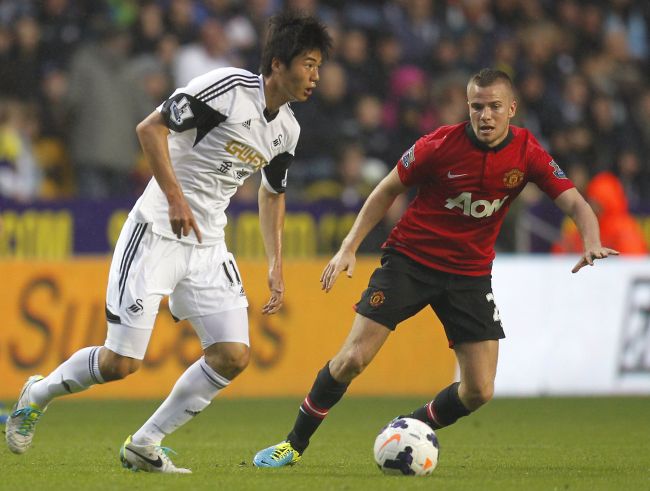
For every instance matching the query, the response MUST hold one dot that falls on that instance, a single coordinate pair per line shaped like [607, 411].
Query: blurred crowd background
[76, 76]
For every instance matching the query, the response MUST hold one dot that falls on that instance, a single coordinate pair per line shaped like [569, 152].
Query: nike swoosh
[396, 436]
[155, 463]
[452, 176]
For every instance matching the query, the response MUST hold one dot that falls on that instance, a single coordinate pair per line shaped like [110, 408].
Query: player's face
[299, 79]
[490, 111]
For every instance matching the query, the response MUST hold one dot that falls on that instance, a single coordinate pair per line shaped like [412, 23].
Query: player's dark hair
[489, 76]
[291, 34]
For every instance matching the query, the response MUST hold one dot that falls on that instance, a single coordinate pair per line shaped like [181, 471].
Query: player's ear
[276, 64]
[512, 110]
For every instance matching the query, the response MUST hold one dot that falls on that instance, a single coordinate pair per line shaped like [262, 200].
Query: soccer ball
[406, 446]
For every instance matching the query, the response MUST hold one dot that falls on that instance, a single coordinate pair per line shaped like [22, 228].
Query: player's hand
[590, 256]
[342, 261]
[276, 285]
[182, 219]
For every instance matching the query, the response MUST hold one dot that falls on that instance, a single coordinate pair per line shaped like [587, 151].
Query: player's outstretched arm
[272, 210]
[575, 206]
[152, 133]
[373, 210]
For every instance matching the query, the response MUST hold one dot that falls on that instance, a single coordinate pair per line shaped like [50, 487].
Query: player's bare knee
[477, 396]
[228, 362]
[113, 366]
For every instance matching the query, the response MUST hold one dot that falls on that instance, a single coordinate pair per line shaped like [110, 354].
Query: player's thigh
[229, 326]
[144, 268]
[468, 311]
[214, 285]
[365, 339]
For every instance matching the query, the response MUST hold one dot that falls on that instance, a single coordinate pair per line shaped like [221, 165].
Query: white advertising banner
[573, 334]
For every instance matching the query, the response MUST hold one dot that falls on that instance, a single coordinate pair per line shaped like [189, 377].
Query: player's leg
[362, 344]
[214, 285]
[477, 362]
[226, 353]
[96, 364]
[203, 380]
[473, 327]
[395, 292]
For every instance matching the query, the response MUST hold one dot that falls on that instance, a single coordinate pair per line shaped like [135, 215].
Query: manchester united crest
[513, 178]
[377, 298]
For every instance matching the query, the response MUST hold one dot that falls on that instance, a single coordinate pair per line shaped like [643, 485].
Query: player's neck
[273, 95]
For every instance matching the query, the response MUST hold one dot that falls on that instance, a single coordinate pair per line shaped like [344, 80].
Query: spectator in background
[21, 70]
[211, 52]
[576, 96]
[149, 28]
[537, 110]
[20, 176]
[617, 227]
[62, 29]
[355, 61]
[325, 122]
[388, 56]
[416, 27]
[634, 179]
[641, 118]
[246, 28]
[367, 127]
[181, 20]
[627, 17]
[104, 107]
[611, 134]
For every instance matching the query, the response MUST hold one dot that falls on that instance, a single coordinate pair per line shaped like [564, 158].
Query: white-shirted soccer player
[202, 143]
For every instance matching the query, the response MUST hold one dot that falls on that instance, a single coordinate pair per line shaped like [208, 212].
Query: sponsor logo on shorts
[136, 307]
[377, 298]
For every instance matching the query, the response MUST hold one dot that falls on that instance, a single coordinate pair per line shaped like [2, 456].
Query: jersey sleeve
[205, 102]
[183, 112]
[417, 162]
[274, 175]
[546, 173]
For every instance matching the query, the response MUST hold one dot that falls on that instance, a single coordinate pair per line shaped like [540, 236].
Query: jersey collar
[477, 143]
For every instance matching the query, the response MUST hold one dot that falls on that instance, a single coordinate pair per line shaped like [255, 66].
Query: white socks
[193, 391]
[77, 373]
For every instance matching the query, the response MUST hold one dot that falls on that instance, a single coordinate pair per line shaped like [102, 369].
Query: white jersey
[219, 135]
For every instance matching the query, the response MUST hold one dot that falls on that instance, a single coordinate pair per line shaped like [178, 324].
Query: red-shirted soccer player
[440, 254]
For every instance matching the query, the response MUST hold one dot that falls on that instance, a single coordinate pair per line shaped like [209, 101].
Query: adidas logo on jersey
[136, 307]
[247, 124]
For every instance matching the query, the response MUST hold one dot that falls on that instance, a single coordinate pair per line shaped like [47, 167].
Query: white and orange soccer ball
[406, 446]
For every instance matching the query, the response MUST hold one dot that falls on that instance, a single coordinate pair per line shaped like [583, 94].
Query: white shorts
[201, 281]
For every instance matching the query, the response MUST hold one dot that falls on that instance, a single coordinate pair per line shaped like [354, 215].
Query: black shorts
[402, 287]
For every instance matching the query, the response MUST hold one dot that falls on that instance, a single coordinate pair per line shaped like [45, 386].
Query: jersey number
[490, 298]
[228, 271]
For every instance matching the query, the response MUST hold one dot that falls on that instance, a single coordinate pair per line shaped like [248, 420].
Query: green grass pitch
[511, 444]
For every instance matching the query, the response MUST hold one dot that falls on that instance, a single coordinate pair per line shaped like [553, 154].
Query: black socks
[444, 410]
[324, 394]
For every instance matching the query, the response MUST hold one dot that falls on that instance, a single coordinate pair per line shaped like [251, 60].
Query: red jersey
[464, 191]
